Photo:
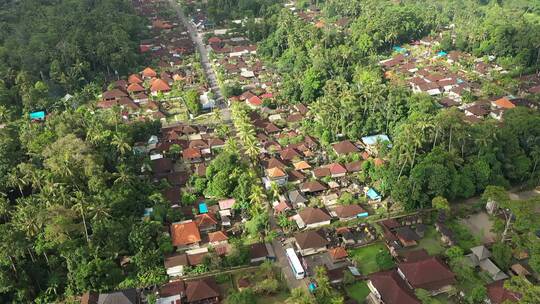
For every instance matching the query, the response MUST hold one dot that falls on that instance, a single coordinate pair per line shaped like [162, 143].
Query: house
[503, 103]
[312, 187]
[310, 218]
[330, 199]
[289, 154]
[281, 207]
[206, 222]
[388, 287]
[430, 274]
[148, 73]
[407, 236]
[497, 294]
[277, 176]
[301, 166]
[126, 296]
[217, 238]
[373, 195]
[225, 207]
[348, 212]
[202, 291]
[355, 166]
[413, 255]
[185, 234]
[336, 170]
[371, 142]
[297, 199]
[260, 252]
[337, 254]
[192, 155]
[162, 166]
[345, 147]
[321, 172]
[310, 242]
[159, 86]
[171, 292]
[480, 257]
[175, 264]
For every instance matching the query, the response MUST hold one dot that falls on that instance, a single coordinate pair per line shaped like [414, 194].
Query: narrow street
[196, 37]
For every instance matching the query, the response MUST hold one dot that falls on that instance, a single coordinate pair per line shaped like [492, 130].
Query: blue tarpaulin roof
[371, 140]
[312, 287]
[203, 208]
[372, 194]
[37, 115]
[442, 54]
[399, 49]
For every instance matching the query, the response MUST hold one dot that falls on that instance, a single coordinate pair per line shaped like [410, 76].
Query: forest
[435, 152]
[50, 48]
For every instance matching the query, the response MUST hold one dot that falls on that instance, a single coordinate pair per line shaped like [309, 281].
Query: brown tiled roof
[135, 87]
[310, 239]
[288, 154]
[191, 153]
[257, 250]
[311, 215]
[354, 166]
[159, 85]
[407, 234]
[199, 290]
[274, 163]
[321, 172]
[205, 219]
[345, 211]
[337, 253]
[313, 186]
[497, 294]
[172, 289]
[429, 274]
[149, 72]
[345, 147]
[295, 175]
[179, 259]
[275, 172]
[134, 78]
[162, 165]
[217, 236]
[336, 168]
[172, 194]
[185, 233]
[114, 94]
[392, 288]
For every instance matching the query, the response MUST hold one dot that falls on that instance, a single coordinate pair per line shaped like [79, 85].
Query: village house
[388, 287]
[185, 235]
[348, 212]
[430, 274]
[260, 252]
[297, 199]
[345, 147]
[480, 257]
[206, 222]
[202, 291]
[310, 242]
[175, 264]
[497, 294]
[310, 218]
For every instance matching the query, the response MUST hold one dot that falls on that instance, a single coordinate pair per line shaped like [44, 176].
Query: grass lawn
[365, 257]
[358, 291]
[430, 242]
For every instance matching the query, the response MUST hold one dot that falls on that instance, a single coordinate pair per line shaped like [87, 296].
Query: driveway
[281, 260]
[196, 37]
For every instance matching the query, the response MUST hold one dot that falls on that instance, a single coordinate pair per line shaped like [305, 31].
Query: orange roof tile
[148, 72]
[301, 165]
[338, 253]
[275, 172]
[217, 236]
[159, 85]
[185, 233]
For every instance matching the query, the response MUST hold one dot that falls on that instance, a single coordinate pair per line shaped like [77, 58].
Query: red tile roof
[135, 87]
[345, 147]
[159, 85]
[336, 169]
[497, 294]
[392, 288]
[429, 274]
[191, 153]
[217, 236]
[134, 78]
[200, 290]
[205, 219]
[255, 101]
[149, 72]
[311, 215]
[185, 234]
[338, 253]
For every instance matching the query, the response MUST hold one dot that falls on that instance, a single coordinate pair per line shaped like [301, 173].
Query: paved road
[281, 258]
[196, 37]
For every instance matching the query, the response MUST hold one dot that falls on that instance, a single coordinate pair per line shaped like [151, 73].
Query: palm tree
[120, 142]
[79, 203]
[257, 200]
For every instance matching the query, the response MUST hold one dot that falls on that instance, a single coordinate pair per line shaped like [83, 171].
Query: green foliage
[193, 104]
[384, 260]
[502, 255]
[246, 296]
